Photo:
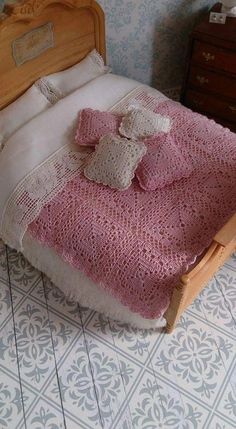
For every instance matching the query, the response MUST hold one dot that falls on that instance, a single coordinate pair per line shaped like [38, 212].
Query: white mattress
[34, 143]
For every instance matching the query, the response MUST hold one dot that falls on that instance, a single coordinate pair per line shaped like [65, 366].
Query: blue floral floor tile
[34, 344]
[63, 366]
[11, 404]
[57, 303]
[77, 388]
[45, 415]
[5, 303]
[114, 376]
[231, 262]
[135, 343]
[145, 403]
[226, 280]
[22, 274]
[8, 353]
[194, 361]
[7, 335]
[3, 262]
[226, 406]
[218, 423]
[181, 410]
[214, 307]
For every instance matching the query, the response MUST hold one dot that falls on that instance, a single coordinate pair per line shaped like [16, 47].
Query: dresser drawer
[210, 81]
[212, 56]
[206, 103]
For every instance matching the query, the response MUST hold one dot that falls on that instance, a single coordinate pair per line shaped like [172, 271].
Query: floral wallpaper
[147, 39]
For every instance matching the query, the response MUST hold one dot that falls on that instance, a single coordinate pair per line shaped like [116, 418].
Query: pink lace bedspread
[137, 244]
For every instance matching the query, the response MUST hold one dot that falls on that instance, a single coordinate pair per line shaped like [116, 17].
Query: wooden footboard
[191, 284]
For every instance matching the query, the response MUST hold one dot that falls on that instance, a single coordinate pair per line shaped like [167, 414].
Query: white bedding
[42, 136]
[32, 145]
[49, 131]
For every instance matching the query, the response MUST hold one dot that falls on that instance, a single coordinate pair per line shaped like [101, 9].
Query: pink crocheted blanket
[137, 244]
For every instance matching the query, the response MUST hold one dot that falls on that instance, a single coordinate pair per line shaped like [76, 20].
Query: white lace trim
[49, 91]
[36, 190]
[146, 99]
[48, 179]
[98, 60]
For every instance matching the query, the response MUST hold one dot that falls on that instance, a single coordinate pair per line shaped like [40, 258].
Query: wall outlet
[217, 18]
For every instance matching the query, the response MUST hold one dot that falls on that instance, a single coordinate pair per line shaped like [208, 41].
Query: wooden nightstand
[210, 81]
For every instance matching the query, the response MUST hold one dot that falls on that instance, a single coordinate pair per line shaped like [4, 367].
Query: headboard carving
[78, 27]
[30, 8]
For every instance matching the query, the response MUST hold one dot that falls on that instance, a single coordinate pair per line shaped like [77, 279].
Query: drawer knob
[208, 56]
[233, 109]
[202, 80]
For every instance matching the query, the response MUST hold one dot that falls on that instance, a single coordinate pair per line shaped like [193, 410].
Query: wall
[147, 39]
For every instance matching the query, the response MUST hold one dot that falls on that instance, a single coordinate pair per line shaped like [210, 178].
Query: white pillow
[26, 107]
[67, 81]
[140, 123]
[114, 161]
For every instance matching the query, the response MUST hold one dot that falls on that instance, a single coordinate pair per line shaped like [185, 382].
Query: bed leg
[176, 307]
[169, 328]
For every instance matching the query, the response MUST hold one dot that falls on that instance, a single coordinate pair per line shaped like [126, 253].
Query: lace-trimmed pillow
[163, 164]
[140, 123]
[94, 124]
[21, 111]
[67, 81]
[114, 161]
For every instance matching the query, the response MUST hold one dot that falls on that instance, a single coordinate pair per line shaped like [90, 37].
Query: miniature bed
[73, 29]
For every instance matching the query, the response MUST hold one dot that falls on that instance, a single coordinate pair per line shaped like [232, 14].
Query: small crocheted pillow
[140, 123]
[114, 161]
[94, 124]
[163, 164]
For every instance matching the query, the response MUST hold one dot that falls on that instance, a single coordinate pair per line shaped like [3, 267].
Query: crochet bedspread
[137, 244]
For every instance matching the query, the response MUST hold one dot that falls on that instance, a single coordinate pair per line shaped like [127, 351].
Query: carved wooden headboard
[39, 37]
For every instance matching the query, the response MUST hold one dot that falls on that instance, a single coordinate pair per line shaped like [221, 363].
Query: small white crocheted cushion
[141, 123]
[114, 161]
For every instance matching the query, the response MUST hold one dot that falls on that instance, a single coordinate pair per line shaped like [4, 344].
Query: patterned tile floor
[63, 366]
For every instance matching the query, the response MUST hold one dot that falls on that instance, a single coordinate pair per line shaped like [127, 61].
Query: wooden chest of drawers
[210, 81]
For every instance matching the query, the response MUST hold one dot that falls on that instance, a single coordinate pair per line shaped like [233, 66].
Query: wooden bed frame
[77, 26]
